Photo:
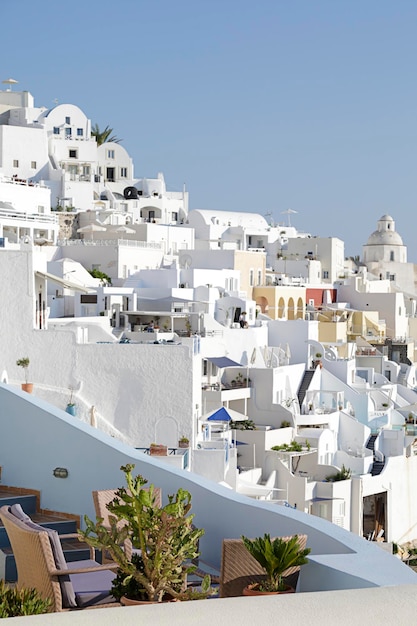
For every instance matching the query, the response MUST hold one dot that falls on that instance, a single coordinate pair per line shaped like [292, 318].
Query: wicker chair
[101, 499]
[41, 565]
[239, 568]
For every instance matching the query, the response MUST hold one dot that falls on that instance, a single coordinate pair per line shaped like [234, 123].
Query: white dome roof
[384, 238]
[386, 234]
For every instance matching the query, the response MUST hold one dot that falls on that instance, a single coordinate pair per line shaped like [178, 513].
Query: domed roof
[386, 234]
[384, 238]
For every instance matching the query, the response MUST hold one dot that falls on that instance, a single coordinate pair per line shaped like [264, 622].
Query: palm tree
[102, 136]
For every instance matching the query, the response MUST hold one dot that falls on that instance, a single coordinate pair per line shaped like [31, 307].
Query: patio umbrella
[223, 415]
[91, 228]
[126, 230]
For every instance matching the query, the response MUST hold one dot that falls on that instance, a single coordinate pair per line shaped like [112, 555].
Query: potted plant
[165, 537]
[184, 442]
[275, 556]
[158, 449]
[71, 407]
[317, 361]
[24, 362]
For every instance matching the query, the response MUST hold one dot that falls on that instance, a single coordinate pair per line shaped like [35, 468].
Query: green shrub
[243, 425]
[15, 602]
[343, 474]
[288, 447]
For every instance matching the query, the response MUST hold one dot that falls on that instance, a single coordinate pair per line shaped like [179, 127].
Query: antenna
[288, 212]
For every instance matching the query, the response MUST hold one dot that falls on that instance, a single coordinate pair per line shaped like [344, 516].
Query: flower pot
[183, 444]
[158, 450]
[71, 409]
[129, 602]
[28, 387]
[252, 590]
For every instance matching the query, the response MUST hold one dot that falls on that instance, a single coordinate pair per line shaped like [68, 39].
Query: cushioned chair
[239, 568]
[41, 565]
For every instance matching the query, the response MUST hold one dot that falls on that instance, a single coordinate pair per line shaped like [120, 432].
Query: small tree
[166, 537]
[24, 362]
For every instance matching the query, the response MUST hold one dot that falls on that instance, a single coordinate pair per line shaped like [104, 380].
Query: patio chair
[101, 499]
[41, 565]
[239, 568]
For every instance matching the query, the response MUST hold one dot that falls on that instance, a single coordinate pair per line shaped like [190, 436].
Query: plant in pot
[164, 542]
[71, 406]
[275, 556]
[183, 442]
[317, 361]
[24, 362]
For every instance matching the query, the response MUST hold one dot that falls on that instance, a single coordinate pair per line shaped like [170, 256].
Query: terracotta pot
[183, 444]
[252, 590]
[28, 387]
[129, 602]
[158, 450]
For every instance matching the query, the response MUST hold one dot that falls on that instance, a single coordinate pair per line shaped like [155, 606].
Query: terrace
[339, 561]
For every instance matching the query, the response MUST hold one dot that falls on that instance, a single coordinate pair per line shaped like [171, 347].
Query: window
[89, 299]
[73, 171]
[174, 216]
[41, 208]
[259, 278]
[110, 154]
[391, 255]
[392, 277]
[123, 172]
[72, 154]
[68, 132]
[56, 130]
[86, 170]
[251, 276]
[15, 163]
[325, 274]
[67, 120]
[33, 165]
[80, 132]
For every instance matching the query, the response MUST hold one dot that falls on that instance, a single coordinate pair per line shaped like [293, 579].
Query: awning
[223, 361]
[64, 283]
[223, 415]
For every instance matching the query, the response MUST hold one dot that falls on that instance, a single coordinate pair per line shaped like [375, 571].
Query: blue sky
[264, 106]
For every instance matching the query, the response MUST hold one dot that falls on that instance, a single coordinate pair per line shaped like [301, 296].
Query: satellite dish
[185, 261]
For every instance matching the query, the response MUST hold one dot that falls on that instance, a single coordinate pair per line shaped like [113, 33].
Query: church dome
[386, 234]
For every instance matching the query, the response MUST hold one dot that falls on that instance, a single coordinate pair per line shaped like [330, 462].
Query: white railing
[29, 217]
[110, 242]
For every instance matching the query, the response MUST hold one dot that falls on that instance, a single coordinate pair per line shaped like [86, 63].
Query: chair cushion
[68, 596]
[92, 588]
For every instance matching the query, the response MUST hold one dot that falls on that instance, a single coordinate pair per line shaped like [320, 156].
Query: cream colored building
[284, 302]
